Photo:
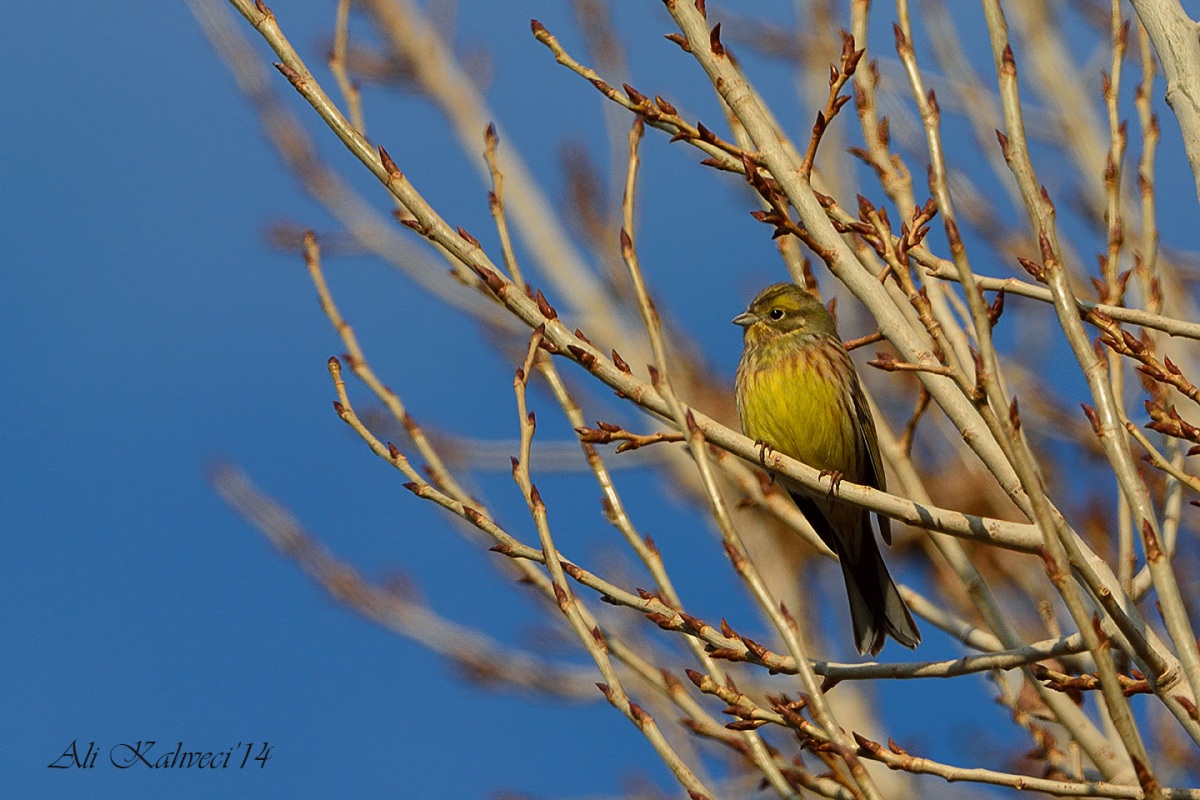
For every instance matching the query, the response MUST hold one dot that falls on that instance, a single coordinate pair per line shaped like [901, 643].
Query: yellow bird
[798, 393]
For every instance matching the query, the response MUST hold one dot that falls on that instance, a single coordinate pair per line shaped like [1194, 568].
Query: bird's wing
[873, 474]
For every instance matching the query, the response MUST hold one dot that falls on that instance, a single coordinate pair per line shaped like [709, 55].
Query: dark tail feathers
[876, 609]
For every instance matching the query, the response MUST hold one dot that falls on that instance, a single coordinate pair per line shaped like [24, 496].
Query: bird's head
[785, 308]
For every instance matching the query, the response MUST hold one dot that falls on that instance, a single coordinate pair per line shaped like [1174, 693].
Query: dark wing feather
[873, 475]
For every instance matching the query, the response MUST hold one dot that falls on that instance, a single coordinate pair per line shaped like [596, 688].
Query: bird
[799, 394]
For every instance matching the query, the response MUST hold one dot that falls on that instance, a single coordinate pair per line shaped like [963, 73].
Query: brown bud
[1154, 551]
[1036, 270]
[389, 166]
[289, 73]
[493, 281]
[678, 39]
[714, 41]
[471, 240]
[1188, 706]
[544, 306]
[1009, 63]
[620, 362]
[1000, 137]
[561, 597]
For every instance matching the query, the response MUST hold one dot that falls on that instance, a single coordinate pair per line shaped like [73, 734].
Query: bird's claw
[763, 449]
[835, 480]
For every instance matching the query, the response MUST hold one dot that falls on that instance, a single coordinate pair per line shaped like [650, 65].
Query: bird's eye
[775, 313]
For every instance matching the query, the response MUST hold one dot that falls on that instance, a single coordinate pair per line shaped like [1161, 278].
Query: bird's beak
[745, 319]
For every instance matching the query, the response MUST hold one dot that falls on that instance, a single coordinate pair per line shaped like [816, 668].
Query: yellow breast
[802, 406]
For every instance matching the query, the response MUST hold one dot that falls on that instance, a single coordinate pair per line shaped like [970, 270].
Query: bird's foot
[763, 449]
[835, 480]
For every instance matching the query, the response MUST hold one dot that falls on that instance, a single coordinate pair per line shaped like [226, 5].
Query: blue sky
[150, 332]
